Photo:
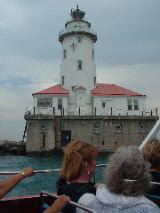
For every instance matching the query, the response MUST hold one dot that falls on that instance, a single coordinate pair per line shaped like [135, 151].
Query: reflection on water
[39, 182]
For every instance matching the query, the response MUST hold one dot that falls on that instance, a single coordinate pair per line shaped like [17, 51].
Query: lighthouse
[78, 69]
[78, 92]
[105, 114]
[78, 74]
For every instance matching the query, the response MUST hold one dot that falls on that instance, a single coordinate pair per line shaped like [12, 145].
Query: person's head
[128, 164]
[79, 158]
[151, 153]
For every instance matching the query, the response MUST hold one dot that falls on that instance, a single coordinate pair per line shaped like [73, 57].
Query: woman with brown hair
[79, 164]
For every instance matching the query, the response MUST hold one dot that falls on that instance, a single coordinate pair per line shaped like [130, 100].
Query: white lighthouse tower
[78, 70]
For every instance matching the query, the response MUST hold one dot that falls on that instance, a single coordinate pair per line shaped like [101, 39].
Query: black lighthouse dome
[71, 29]
[77, 14]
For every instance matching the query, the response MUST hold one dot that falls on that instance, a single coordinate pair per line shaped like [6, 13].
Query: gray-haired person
[127, 181]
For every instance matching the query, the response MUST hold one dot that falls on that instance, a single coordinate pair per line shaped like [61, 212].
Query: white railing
[96, 112]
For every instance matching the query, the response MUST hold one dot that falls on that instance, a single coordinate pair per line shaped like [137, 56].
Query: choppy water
[39, 182]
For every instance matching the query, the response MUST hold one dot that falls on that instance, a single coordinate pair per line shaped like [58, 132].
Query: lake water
[39, 182]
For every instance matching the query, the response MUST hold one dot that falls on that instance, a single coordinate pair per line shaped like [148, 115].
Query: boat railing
[42, 170]
[35, 171]
[58, 169]
[77, 205]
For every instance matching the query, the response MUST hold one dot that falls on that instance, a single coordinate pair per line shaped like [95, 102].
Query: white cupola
[78, 64]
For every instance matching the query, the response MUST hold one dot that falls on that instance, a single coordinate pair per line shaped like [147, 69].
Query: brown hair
[76, 154]
[151, 153]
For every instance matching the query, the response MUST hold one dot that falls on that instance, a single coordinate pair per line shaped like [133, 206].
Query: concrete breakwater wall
[12, 147]
[46, 133]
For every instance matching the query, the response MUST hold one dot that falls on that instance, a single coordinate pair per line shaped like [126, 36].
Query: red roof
[112, 89]
[56, 90]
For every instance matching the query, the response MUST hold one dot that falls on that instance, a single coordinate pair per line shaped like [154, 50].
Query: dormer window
[79, 63]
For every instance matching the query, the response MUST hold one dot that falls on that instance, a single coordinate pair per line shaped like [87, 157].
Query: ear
[86, 165]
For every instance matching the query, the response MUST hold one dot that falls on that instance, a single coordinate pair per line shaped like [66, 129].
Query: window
[135, 102]
[43, 141]
[60, 103]
[44, 102]
[64, 54]
[43, 125]
[92, 54]
[97, 125]
[79, 39]
[103, 104]
[79, 64]
[73, 46]
[62, 80]
[118, 127]
[129, 102]
[94, 81]
[73, 88]
[141, 126]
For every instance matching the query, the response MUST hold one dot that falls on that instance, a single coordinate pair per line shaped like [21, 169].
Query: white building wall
[49, 110]
[69, 66]
[77, 26]
[81, 105]
[118, 104]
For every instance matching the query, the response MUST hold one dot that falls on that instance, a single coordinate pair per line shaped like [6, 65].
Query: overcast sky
[127, 52]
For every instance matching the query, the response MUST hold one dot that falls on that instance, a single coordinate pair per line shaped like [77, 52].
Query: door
[66, 137]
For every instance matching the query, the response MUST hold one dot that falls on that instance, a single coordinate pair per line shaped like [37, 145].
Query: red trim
[112, 90]
[56, 90]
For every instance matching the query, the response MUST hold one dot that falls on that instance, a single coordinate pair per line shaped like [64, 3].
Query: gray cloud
[127, 51]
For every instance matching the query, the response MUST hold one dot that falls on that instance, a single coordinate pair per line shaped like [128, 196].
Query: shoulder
[86, 199]
[83, 188]
[151, 208]
[61, 181]
[90, 188]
